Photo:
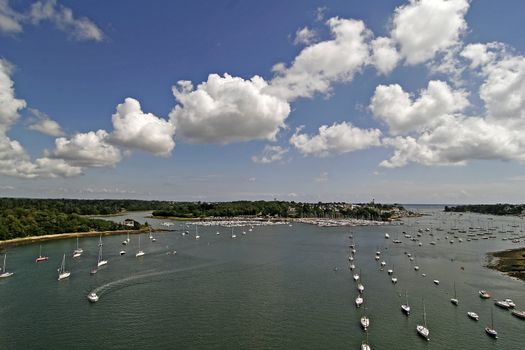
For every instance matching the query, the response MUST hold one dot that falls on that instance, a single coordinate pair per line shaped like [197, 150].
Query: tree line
[492, 209]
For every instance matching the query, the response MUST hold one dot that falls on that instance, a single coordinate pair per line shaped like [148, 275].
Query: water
[274, 288]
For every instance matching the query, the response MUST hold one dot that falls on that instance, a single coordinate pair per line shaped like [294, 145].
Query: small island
[491, 209]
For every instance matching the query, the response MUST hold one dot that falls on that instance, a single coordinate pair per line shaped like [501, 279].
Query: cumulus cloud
[227, 109]
[455, 141]
[503, 90]
[12, 21]
[89, 149]
[449, 137]
[9, 104]
[423, 28]
[270, 154]
[319, 65]
[384, 55]
[305, 36]
[135, 129]
[335, 139]
[396, 108]
[41, 122]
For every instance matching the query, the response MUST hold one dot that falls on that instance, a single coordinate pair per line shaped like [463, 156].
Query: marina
[285, 282]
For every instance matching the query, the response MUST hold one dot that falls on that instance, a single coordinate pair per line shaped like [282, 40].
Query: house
[128, 222]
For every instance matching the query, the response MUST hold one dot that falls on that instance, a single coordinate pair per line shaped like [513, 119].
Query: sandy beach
[34, 239]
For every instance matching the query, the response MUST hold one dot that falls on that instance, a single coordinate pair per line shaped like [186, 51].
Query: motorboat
[473, 315]
[92, 297]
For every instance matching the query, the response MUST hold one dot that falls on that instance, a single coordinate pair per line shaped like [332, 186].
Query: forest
[20, 217]
[24, 217]
[492, 209]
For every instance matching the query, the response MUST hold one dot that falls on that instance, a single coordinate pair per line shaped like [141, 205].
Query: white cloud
[9, 19]
[319, 65]
[89, 149]
[9, 104]
[423, 28]
[455, 141]
[402, 115]
[135, 129]
[320, 13]
[335, 139]
[384, 55]
[44, 124]
[503, 90]
[227, 109]
[270, 154]
[305, 36]
[63, 18]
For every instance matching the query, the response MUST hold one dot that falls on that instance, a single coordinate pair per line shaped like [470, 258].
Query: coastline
[57, 236]
[510, 262]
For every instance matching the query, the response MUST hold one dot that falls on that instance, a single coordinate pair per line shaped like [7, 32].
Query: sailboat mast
[3, 268]
[424, 314]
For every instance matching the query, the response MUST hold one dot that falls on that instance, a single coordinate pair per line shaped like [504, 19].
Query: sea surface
[277, 287]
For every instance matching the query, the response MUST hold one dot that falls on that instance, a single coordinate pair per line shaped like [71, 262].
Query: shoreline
[57, 236]
[511, 262]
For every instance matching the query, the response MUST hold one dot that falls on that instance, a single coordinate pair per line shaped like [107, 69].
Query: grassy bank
[510, 262]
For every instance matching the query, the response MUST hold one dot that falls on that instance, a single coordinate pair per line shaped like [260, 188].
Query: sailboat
[233, 235]
[454, 300]
[391, 271]
[406, 307]
[360, 286]
[365, 321]
[196, 233]
[101, 261]
[358, 301]
[365, 345]
[140, 252]
[77, 252]
[423, 330]
[40, 257]
[490, 330]
[62, 273]
[4, 273]
[126, 241]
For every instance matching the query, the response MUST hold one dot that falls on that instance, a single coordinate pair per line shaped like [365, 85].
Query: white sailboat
[358, 301]
[490, 330]
[406, 307]
[101, 261]
[365, 321]
[454, 300]
[5, 273]
[40, 257]
[365, 345]
[422, 330]
[62, 273]
[196, 233]
[77, 252]
[139, 252]
[233, 235]
[473, 315]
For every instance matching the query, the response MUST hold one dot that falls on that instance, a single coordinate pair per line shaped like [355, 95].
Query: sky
[351, 100]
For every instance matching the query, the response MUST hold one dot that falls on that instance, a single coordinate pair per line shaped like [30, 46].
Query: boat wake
[142, 278]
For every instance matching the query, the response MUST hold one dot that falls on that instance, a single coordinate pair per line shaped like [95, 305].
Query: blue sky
[417, 101]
